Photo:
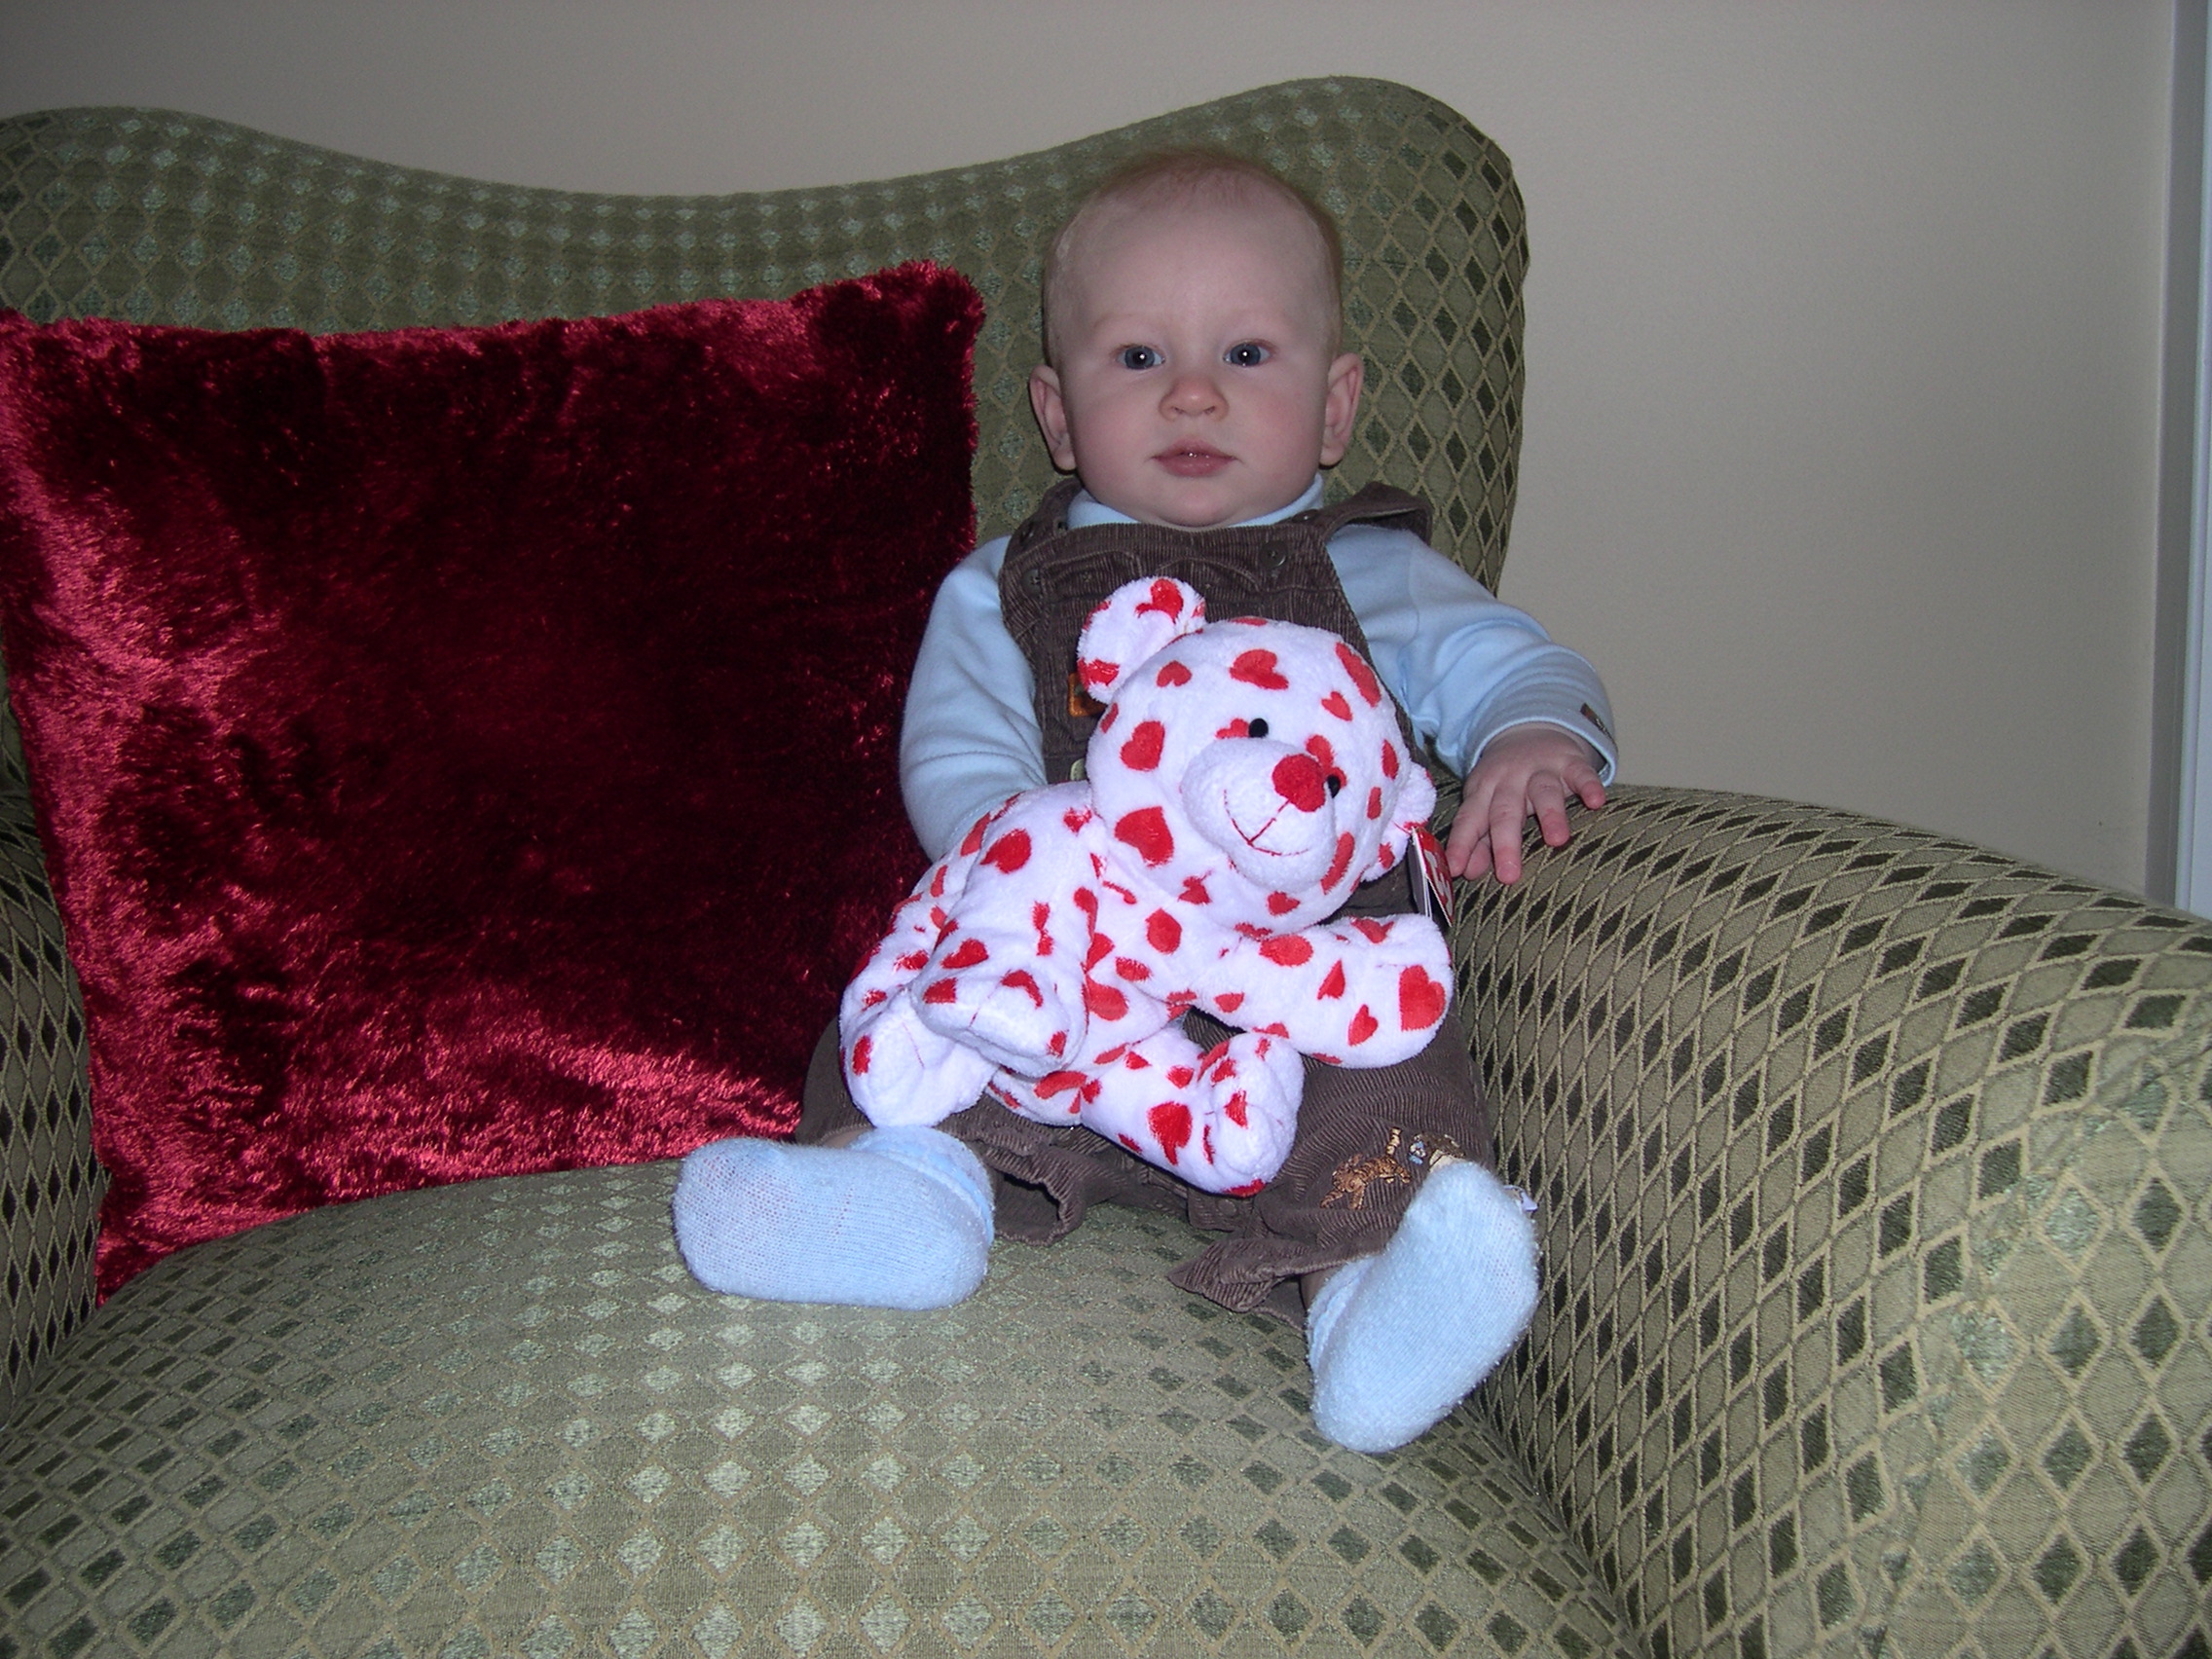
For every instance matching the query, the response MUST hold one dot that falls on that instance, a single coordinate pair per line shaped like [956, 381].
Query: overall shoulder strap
[1052, 576]
[1051, 514]
[1372, 503]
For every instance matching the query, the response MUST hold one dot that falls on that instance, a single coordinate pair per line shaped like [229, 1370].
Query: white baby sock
[899, 1218]
[1397, 1339]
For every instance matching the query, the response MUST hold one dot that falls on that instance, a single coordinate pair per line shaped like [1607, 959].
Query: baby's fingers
[1508, 811]
[1467, 849]
[1588, 787]
[1547, 799]
[1475, 861]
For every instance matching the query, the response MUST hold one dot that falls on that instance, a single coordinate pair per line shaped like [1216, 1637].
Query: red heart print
[1420, 1000]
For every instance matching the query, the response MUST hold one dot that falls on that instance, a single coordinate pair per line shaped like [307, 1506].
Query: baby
[1195, 385]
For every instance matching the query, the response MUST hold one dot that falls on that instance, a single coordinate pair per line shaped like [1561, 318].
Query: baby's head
[1194, 315]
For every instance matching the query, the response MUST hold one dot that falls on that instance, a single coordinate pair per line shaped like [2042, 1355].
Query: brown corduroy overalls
[1365, 1138]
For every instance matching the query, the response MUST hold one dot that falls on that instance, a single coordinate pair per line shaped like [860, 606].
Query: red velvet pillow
[468, 752]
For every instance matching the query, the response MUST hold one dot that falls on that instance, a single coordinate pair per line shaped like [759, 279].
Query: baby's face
[1197, 384]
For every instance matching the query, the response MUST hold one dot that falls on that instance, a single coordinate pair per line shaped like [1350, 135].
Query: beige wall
[1843, 324]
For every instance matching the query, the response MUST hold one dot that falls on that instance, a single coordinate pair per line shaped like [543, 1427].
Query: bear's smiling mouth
[1251, 840]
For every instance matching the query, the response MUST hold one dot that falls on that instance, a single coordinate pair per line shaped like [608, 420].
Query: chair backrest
[165, 218]
[169, 218]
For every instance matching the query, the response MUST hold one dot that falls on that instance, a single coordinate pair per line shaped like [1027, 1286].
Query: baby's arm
[1524, 717]
[968, 738]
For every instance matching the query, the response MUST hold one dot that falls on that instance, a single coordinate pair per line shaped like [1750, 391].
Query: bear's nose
[1298, 780]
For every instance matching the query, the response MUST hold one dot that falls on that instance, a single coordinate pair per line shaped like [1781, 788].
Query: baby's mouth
[1192, 461]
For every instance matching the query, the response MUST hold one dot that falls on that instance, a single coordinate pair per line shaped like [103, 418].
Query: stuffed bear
[1244, 777]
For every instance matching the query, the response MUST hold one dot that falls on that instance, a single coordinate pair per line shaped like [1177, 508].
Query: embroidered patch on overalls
[1398, 1161]
[1082, 706]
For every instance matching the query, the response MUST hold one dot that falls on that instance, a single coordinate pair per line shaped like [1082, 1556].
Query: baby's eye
[1138, 357]
[1256, 728]
[1249, 356]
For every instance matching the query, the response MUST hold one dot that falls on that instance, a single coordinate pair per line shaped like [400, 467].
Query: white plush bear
[1245, 778]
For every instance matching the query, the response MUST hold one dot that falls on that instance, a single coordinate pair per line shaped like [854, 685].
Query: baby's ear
[1417, 799]
[1135, 621]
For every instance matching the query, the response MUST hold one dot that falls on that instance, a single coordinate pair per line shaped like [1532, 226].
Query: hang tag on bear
[1432, 882]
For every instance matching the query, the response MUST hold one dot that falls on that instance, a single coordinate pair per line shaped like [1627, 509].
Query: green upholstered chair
[1873, 1167]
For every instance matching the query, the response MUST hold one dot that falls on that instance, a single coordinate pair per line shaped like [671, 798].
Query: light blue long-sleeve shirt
[1465, 665]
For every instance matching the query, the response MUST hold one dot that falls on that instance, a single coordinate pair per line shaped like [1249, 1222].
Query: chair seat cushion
[501, 1416]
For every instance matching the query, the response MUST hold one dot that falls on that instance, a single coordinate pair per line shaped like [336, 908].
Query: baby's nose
[1299, 780]
[1194, 394]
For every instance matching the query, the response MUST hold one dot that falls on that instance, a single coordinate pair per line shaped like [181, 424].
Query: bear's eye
[1336, 784]
[1257, 728]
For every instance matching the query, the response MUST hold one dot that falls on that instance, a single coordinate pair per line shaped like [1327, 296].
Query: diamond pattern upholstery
[49, 1183]
[505, 1414]
[1870, 1163]
[1873, 1167]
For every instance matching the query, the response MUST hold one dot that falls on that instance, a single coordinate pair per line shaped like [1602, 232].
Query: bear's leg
[899, 1218]
[900, 1071]
[992, 992]
[1220, 1119]
[1397, 1339]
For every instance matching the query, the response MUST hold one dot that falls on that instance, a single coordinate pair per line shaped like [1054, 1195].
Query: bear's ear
[1136, 620]
[1417, 799]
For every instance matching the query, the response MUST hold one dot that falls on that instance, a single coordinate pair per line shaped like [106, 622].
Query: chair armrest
[1873, 1171]
[50, 1184]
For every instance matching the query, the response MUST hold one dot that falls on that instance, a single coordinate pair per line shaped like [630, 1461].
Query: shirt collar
[1087, 511]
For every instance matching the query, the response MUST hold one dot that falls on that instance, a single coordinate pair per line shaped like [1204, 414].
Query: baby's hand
[1525, 769]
